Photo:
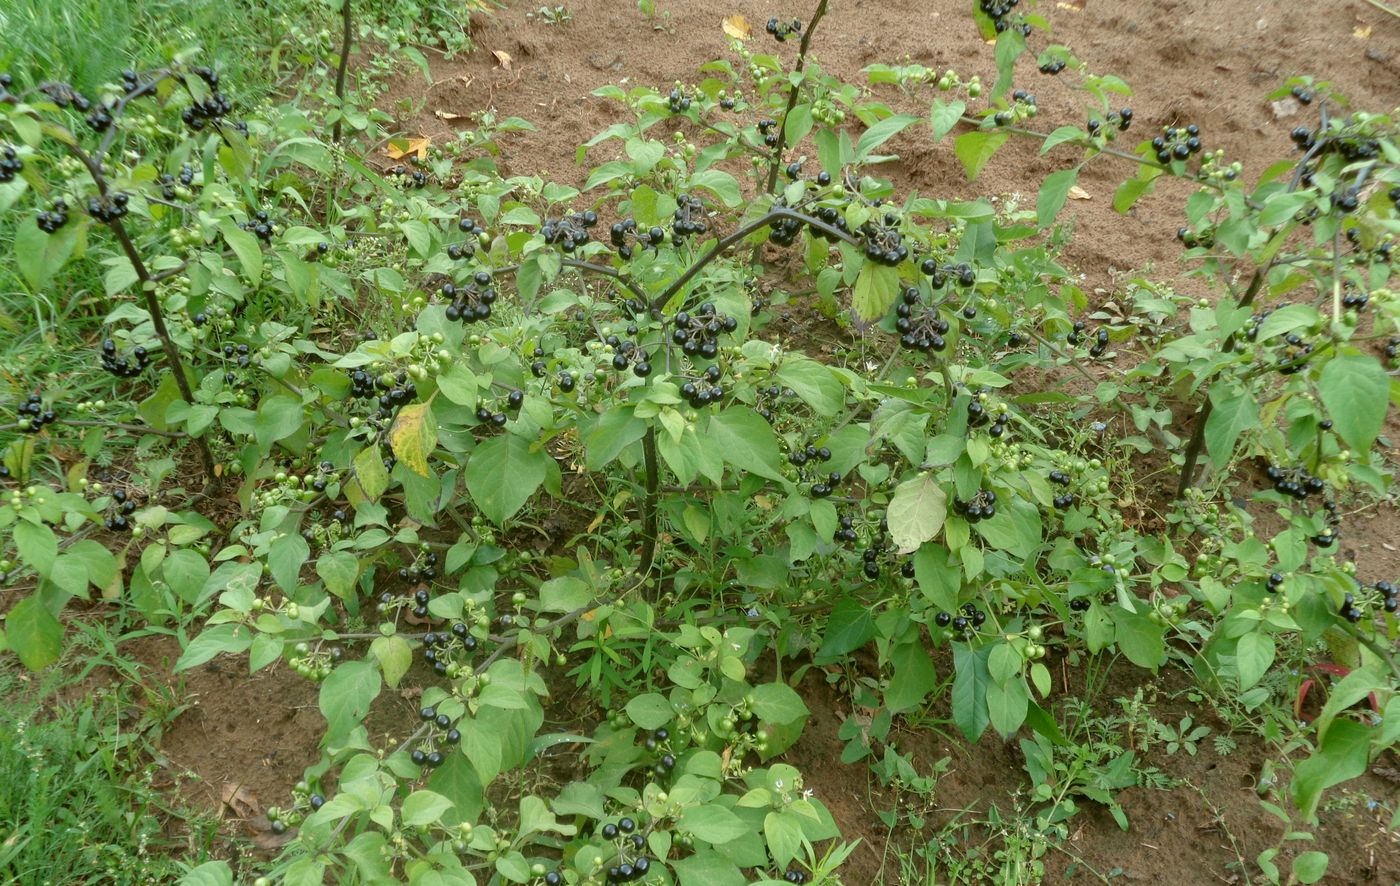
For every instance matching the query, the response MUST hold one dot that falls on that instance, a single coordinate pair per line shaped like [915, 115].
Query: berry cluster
[920, 328]
[434, 758]
[704, 390]
[784, 231]
[884, 244]
[626, 353]
[847, 529]
[124, 367]
[1177, 143]
[441, 650]
[977, 416]
[825, 483]
[620, 231]
[628, 840]
[1065, 499]
[967, 621]
[765, 129]
[10, 164]
[689, 216]
[168, 182]
[415, 178]
[1100, 344]
[109, 208]
[259, 226]
[1302, 94]
[999, 12]
[1204, 238]
[571, 231]
[1296, 483]
[1392, 348]
[1388, 595]
[471, 302]
[33, 416]
[698, 333]
[1122, 119]
[64, 95]
[982, 506]
[870, 557]
[214, 108]
[794, 876]
[485, 415]
[678, 100]
[122, 509]
[769, 399]
[1022, 108]
[52, 220]
[1053, 66]
[783, 30]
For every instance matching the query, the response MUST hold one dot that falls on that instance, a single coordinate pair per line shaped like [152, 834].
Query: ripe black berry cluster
[213, 108]
[783, 30]
[626, 353]
[982, 506]
[620, 231]
[920, 327]
[445, 649]
[1100, 344]
[124, 367]
[1296, 483]
[1392, 348]
[698, 333]
[471, 302]
[395, 391]
[765, 128]
[794, 876]
[259, 226]
[847, 528]
[122, 509]
[1387, 595]
[689, 217]
[1303, 95]
[629, 841]
[783, 232]
[100, 118]
[977, 416]
[414, 178]
[967, 621]
[571, 231]
[1177, 143]
[1022, 108]
[33, 416]
[168, 182]
[109, 208]
[884, 244]
[1053, 66]
[870, 557]
[770, 399]
[999, 11]
[654, 743]
[514, 400]
[679, 99]
[64, 95]
[1065, 499]
[443, 731]
[239, 354]
[704, 390]
[825, 483]
[50, 221]
[10, 164]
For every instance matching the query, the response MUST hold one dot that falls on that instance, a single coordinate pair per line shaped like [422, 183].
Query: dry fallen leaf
[242, 800]
[502, 57]
[1078, 193]
[447, 115]
[1071, 5]
[263, 837]
[399, 148]
[1362, 33]
[737, 27]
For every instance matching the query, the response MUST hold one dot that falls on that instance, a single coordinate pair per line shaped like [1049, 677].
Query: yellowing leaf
[502, 57]
[737, 27]
[399, 148]
[413, 437]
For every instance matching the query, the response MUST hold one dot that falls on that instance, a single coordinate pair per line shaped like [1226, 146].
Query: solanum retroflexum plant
[398, 376]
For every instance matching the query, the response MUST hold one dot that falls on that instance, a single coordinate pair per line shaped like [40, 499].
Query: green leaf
[613, 432]
[370, 472]
[458, 384]
[346, 696]
[1233, 411]
[395, 657]
[1341, 755]
[713, 824]
[38, 255]
[414, 436]
[943, 116]
[783, 831]
[231, 638]
[37, 545]
[1010, 44]
[916, 512]
[1356, 391]
[245, 247]
[278, 418]
[708, 868]
[814, 382]
[778, 703]
[1140, 640]
[1310, 866]
[939, 582]
[1053, 193]
[875, 290]
[1132, 190]
[970, 690]
[211, 873]
[424, 808]
[746, 442]
[882, 132]
[285, 557]
[914, 677]
[33, 633]
[850, 626]
[339, 570]
[1006, 705]
[975, 148]
[650, 711]
[502, 473]
[1253, 655]
[721, 184]
[564, 594]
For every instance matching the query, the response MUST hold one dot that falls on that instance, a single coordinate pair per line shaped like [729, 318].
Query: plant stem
[1198, 433]
[795, 90]
[116, 426]
[653, 482]
[345, 27]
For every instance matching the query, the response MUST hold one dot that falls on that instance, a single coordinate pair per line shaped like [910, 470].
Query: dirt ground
[1209, 62]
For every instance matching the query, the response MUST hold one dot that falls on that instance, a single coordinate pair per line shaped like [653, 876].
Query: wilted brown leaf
[502, 57]
[264, 838]
[241, 799]
[447, 115]
[1078, 193]
[399, 148]
[737, 26]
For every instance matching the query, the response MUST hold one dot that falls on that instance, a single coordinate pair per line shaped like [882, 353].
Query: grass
[76, 801]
